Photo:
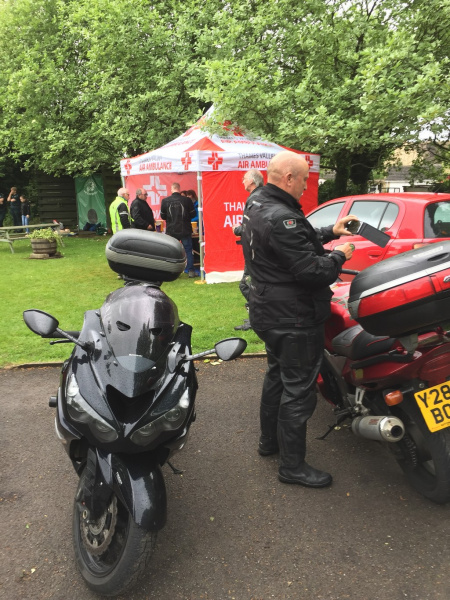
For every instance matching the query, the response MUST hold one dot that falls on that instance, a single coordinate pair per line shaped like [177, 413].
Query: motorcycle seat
[356, 343]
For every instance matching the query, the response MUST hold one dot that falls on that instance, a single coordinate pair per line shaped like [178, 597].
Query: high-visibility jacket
[120, 214]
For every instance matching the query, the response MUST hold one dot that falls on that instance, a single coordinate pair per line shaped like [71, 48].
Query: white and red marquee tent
[213, 165]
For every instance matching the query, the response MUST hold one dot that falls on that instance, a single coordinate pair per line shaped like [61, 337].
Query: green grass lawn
[80, 281]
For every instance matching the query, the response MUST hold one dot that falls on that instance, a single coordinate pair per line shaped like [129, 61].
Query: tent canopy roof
[198, 150]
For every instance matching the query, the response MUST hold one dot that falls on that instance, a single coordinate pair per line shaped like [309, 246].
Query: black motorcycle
[125, 404]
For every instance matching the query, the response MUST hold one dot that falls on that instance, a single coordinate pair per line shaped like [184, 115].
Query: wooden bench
[9, 235]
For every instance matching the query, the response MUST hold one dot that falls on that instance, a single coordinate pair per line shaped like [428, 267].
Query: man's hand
[347, 249]
[339, 227]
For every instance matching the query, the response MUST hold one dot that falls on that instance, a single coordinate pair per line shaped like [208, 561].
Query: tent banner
[214, 159]
[158, 187]
[90, 201]
[224, 199]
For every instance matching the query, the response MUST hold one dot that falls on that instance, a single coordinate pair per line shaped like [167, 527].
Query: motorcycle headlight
[169, 421]
[79, 410]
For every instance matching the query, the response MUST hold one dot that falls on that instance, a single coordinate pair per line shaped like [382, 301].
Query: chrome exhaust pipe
[381, 429]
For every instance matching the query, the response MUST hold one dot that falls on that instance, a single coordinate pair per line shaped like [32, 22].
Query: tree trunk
[361, 172]
[342, 175]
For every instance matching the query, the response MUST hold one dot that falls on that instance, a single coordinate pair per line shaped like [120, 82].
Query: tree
[89, 82]
[85, 83]
[351, 80]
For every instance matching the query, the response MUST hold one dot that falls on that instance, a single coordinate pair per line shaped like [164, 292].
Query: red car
[410, 219]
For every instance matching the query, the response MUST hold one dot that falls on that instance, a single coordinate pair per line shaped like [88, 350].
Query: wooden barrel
[43, 247]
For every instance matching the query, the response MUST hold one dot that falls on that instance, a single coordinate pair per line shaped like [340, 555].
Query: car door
[327, 215]
[381, 214]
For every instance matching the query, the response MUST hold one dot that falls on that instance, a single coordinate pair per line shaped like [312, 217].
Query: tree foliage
[85, 82]
[88, 82]
[351, 80]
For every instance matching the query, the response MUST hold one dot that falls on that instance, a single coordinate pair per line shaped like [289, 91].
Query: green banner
[90, 201]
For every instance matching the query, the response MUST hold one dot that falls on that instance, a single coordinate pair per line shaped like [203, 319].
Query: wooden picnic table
[11, 234]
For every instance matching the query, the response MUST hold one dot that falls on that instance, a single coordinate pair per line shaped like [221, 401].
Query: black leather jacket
[177, 211]
[290, 272]
[142, 214]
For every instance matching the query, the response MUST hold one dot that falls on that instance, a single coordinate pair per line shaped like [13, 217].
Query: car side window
[370, 212]
[328, 215]
[388, 219]
[437, 220]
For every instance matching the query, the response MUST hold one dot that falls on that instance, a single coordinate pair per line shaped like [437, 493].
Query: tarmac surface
[234, 532]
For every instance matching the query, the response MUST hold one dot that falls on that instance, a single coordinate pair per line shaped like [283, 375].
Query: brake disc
[97, 535]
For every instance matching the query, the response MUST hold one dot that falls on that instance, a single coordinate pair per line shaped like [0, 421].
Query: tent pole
[200, 224]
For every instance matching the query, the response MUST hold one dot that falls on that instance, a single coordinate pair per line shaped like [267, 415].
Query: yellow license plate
[434, 403]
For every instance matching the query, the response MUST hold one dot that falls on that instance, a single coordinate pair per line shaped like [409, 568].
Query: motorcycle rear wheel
[425, 458]
[112, 553]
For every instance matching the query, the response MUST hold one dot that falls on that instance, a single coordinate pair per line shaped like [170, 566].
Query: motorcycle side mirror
[45, 325]
[230, 348]
[40, 322]
[225, 349]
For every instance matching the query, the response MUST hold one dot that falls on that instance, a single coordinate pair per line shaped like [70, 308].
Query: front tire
[423, 456]
[113, 552]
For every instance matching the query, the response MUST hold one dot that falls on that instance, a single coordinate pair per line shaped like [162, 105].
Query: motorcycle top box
[404, 294]
[145, 255]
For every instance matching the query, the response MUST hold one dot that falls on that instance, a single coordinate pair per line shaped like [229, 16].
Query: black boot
[268, 442]
[293, 467]
[305, 475]
[245, 326]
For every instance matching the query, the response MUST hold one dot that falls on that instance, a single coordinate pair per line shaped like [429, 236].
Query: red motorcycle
[387, 362]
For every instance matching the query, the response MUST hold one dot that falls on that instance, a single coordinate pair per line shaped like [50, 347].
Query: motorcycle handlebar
[56, 334]
[349, 272]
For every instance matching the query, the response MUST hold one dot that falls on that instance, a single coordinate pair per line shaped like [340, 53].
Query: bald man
[289, 302]
[119, 212]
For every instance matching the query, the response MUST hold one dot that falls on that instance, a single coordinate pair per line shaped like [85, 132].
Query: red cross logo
[309, 160]
[215, 160]
[128, 166]
[186, 160]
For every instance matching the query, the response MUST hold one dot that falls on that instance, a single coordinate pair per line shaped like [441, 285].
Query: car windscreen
[437, 220]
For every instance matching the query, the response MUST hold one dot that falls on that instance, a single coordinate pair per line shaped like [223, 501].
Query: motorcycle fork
[95, 496]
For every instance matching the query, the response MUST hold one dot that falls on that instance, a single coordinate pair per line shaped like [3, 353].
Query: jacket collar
[283, 196]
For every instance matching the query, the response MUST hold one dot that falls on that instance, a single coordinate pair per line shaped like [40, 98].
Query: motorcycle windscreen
[139, 322]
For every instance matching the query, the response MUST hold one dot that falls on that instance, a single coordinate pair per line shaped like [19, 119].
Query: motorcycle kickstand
[174, 469]
[331, 428]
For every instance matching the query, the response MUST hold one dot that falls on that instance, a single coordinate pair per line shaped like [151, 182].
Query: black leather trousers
[288, 400]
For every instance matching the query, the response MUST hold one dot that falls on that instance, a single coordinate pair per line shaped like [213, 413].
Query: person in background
[289, 302]
[177, 211]
[14, 207]
[252, 180]
[25, 206]
[2, 208]
[141, 213]
[119, 211]
[193, 196]
[195, 225]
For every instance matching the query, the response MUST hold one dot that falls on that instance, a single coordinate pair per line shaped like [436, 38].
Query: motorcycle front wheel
[424, 456]
[112, 553]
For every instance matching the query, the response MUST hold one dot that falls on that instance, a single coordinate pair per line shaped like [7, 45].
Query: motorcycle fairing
[125, 398]
[135, 479]
[131, 337]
